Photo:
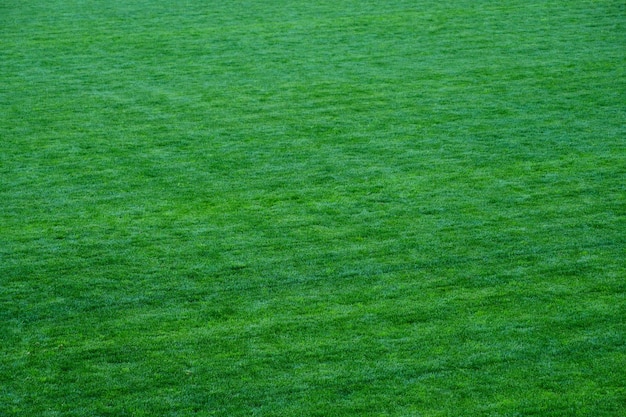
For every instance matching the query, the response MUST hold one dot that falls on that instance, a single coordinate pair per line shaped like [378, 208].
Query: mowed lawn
[312, 208]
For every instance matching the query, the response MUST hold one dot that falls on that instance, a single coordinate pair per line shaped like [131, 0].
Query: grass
[290, 208]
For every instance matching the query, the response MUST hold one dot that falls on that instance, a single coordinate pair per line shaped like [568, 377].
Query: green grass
[328, 208]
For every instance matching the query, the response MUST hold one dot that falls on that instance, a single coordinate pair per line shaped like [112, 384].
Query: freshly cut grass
[312, 208]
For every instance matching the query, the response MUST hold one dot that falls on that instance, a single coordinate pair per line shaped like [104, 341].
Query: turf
[327, 208]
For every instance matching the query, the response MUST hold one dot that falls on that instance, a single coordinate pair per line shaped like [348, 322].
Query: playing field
[312, 208]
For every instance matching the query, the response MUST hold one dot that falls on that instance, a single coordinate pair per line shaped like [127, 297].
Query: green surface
[327, 208]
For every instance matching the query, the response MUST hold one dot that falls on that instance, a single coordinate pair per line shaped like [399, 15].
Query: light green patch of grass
[328, 208]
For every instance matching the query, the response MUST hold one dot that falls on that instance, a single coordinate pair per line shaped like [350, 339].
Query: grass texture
[312, 208]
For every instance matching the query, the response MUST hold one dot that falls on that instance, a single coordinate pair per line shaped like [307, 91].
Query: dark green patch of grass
[337, 208]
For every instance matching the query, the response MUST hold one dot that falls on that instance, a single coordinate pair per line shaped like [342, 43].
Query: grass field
[326, 208]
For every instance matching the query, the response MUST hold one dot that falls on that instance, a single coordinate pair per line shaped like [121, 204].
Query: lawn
[312, 208]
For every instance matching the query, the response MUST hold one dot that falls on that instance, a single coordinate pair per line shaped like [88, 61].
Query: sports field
[312, 208]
